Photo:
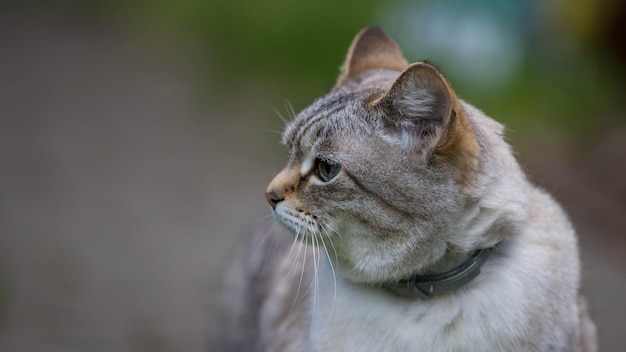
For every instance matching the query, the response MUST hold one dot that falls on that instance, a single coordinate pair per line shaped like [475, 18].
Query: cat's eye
[327, 170]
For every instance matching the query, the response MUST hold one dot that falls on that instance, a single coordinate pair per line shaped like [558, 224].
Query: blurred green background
[527, 63]
[137, 138]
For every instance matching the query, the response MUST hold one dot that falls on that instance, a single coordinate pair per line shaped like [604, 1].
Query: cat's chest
[354, 318]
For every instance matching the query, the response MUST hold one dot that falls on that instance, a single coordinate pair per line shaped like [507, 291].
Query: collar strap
[426, 286]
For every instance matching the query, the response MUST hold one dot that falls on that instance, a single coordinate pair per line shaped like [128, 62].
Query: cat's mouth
[302, 224]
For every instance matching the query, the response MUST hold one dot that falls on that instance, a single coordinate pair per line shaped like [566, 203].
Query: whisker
[265, 229]
[294, 267]
[332, 307]
[293, 261]
[315, 279]
[272, 131]
[265, 217]
[290, 109]
[293, 244]
[330, 240]
[334, 231]
[282, 118]
[296, 260]
[270, 252]
[313, 251]
[298, 297]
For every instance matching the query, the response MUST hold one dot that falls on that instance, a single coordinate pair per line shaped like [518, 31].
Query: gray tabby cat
[434, 239]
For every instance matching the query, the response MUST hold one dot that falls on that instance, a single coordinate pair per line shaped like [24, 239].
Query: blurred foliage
[574, 94]
[564, 78]
[568, 76]
[295, 45]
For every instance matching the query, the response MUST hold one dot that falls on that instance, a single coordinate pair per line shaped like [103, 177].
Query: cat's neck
[450, 261]
[426, 286]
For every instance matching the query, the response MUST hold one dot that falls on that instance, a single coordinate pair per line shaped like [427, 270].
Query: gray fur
[401, 207]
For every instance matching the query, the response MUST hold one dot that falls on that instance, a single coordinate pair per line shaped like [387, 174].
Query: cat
[433, 238]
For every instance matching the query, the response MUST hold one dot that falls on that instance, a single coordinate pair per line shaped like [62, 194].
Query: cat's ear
[418, 106]
[425, 116]
[371, 49]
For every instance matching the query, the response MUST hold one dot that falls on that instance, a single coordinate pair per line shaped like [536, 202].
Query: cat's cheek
[328, 195]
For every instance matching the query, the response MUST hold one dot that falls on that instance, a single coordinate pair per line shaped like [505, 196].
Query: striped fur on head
[409, 165]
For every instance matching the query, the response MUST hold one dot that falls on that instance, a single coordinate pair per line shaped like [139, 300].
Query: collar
[426, 286]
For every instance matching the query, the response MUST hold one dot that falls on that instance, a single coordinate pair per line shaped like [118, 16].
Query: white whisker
[265, 217]
[282, 118]
[332, 307]
[262, 243]
[330, 240]
[314, 284]
[269, 130]
[293, 244]
[294, 267]
[334, 231]
[270, 251]
[290, 109]
[313, 250]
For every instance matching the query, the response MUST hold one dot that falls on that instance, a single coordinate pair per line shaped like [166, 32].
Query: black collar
[427, 286]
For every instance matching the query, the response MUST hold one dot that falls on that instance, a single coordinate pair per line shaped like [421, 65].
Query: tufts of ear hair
[418, 106]
[425, 116]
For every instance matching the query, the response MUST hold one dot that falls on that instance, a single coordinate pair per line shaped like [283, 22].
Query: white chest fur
[498, 311]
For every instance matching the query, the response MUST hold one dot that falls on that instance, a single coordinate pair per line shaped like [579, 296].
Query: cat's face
[379, 169]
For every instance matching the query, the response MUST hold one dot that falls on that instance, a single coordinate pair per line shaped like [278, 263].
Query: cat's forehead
[341, 111]
[335, 116]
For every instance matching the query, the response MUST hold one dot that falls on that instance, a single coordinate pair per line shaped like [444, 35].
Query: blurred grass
[293, 49]
[576, 96]
[294, 46]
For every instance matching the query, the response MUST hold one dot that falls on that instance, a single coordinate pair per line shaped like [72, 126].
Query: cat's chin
[300, 231]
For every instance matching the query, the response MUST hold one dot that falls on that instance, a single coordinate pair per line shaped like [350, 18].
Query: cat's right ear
[371, 49]
[424, 115]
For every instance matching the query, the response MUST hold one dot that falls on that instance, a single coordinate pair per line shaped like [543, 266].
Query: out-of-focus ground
[119, 204]
[121, 201]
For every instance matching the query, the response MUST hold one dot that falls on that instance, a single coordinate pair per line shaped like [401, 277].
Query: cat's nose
[273, 197]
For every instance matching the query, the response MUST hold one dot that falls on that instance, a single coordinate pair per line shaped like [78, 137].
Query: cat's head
[387, 166]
